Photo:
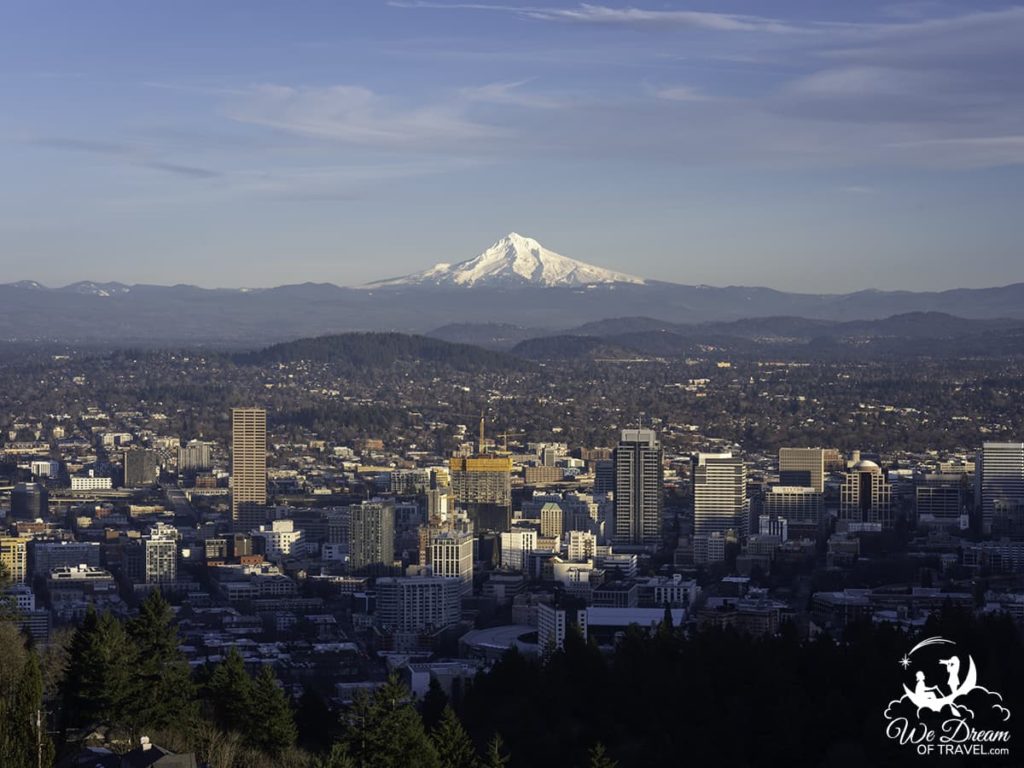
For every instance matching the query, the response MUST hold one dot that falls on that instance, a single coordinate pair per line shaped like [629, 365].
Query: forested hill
[381, 350]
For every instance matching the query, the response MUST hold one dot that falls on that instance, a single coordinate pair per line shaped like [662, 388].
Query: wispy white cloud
[588, 13]
[679, 93]
[357, 115]
[913, 22]
[511, 94]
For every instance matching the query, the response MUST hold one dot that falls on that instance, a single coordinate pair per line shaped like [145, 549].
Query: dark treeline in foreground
[722, 698]
[715, 697]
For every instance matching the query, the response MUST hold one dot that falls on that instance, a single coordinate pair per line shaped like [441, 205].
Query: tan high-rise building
[552, 520]
[802, 467]
[14, 556]
[248, 467]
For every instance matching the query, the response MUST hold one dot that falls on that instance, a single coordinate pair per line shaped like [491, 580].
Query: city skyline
[318, 518]
[473, 383]
[820, 149]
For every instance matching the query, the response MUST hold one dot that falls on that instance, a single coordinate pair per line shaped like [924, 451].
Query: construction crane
[481, 441]
[505, 436]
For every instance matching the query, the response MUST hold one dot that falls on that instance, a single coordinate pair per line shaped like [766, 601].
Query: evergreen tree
[453, 745]
[271, 724]
[163, 694]
[495, 758]
[385, 731]
[23, 738]
[433, 705]
[28, 709]
[667, 625]
[315, 722]
[599, 757]
[338, 757]
[13, 656]
[230, 693]
[97, 687]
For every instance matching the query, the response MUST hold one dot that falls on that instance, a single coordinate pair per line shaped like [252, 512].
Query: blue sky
[813, 146]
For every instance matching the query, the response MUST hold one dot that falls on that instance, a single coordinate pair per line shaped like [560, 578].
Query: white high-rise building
[720, 501]
[451, 556]
[999, 482]
[551, 628]
[582, 546]
[516, 545]
[161, 554]
[417, 604]
[280, 540]
[45, 468]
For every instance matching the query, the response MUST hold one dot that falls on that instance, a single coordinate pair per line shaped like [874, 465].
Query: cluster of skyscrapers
[479, 488]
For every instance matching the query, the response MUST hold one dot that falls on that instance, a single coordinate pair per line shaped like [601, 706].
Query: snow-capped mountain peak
[514, 260]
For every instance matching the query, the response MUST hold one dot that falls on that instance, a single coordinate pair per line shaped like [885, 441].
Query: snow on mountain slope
[514, 261]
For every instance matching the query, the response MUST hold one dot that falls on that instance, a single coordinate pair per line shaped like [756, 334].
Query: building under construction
[482, 486]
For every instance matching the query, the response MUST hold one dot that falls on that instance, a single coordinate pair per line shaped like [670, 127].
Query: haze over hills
[516, 283]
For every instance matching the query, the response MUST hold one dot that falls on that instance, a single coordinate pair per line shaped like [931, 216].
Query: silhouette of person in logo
[952, 666]
[924, 692]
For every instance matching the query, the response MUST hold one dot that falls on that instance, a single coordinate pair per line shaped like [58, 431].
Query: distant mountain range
[932, 334]
[513, 291]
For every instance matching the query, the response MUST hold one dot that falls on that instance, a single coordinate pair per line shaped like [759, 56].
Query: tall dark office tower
[639, 478]
[604, 477]
[140, 468]
[248, 467]
[29, 501]
[372, 536]
[999, 484]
